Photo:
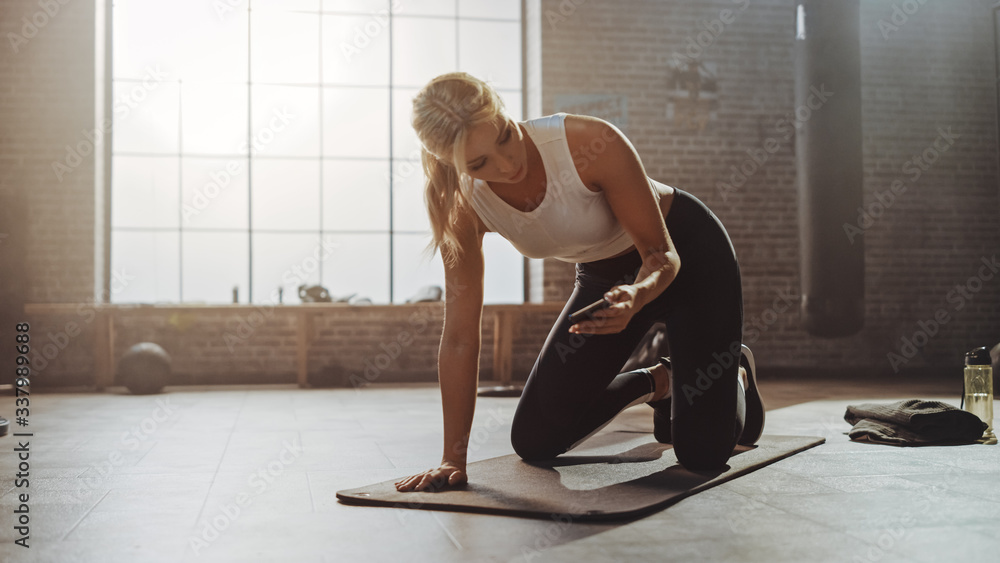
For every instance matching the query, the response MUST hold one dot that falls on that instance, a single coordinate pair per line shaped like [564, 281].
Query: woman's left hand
[615, 317]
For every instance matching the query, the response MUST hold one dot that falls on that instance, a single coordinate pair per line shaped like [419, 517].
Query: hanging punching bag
[828, 161]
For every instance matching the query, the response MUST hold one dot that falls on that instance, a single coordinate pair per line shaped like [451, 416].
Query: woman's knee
[704, 447]
[531, 448]
[531, 441]
[702, 456]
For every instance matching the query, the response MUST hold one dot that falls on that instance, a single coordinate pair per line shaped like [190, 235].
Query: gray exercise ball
[144, 368]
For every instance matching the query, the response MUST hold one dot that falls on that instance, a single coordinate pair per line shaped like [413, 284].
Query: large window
[266, 144]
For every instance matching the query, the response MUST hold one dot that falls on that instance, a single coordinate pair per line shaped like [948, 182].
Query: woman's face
[496, 152]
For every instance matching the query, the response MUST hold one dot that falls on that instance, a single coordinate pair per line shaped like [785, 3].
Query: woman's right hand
[447, 474]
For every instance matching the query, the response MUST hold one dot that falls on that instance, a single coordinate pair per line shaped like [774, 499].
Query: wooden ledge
[506, 318]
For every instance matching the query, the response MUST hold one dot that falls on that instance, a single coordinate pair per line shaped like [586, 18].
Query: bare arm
[458, 360]
[458, 371]
[619, 173]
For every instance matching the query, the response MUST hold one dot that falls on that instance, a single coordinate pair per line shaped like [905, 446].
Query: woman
[573, 187]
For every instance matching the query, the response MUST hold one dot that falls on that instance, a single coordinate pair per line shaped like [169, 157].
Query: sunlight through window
[266, 144]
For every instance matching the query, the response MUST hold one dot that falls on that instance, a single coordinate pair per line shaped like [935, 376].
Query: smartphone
[586, 312]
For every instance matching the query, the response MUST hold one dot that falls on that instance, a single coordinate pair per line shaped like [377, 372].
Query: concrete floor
[248, 474]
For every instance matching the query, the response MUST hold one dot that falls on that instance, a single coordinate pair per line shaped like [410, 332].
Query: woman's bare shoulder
[588, 138]
[469, 221]
[587, 127]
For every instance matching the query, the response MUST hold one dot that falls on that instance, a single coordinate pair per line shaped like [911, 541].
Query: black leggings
[575, 387]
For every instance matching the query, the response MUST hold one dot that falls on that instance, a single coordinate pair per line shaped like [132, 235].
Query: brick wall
[47, 104]
[348, 345]
[933, 70]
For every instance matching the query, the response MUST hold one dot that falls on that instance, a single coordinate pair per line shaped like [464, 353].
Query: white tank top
[572, 223]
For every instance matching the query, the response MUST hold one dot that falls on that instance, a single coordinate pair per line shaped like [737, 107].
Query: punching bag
[829, 167]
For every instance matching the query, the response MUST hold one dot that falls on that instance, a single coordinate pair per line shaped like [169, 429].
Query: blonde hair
[443, 113]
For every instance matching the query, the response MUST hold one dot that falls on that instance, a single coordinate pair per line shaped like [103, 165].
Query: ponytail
[442, 196]
[443, 111]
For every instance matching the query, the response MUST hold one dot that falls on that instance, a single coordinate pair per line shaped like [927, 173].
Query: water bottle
[978, 396]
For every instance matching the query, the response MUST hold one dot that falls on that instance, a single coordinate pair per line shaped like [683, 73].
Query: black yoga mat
[619, 475]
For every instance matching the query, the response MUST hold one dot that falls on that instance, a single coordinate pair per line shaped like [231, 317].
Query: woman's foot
[753, 425]
[661, 375]
[661, 402]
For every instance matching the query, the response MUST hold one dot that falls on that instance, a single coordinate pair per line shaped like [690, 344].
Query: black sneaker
[753, 425]
[661, 413]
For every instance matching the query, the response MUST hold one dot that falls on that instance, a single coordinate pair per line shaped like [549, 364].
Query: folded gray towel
[913, 422]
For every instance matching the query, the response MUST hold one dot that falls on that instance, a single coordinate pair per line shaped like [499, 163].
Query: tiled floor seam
[222, 457]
